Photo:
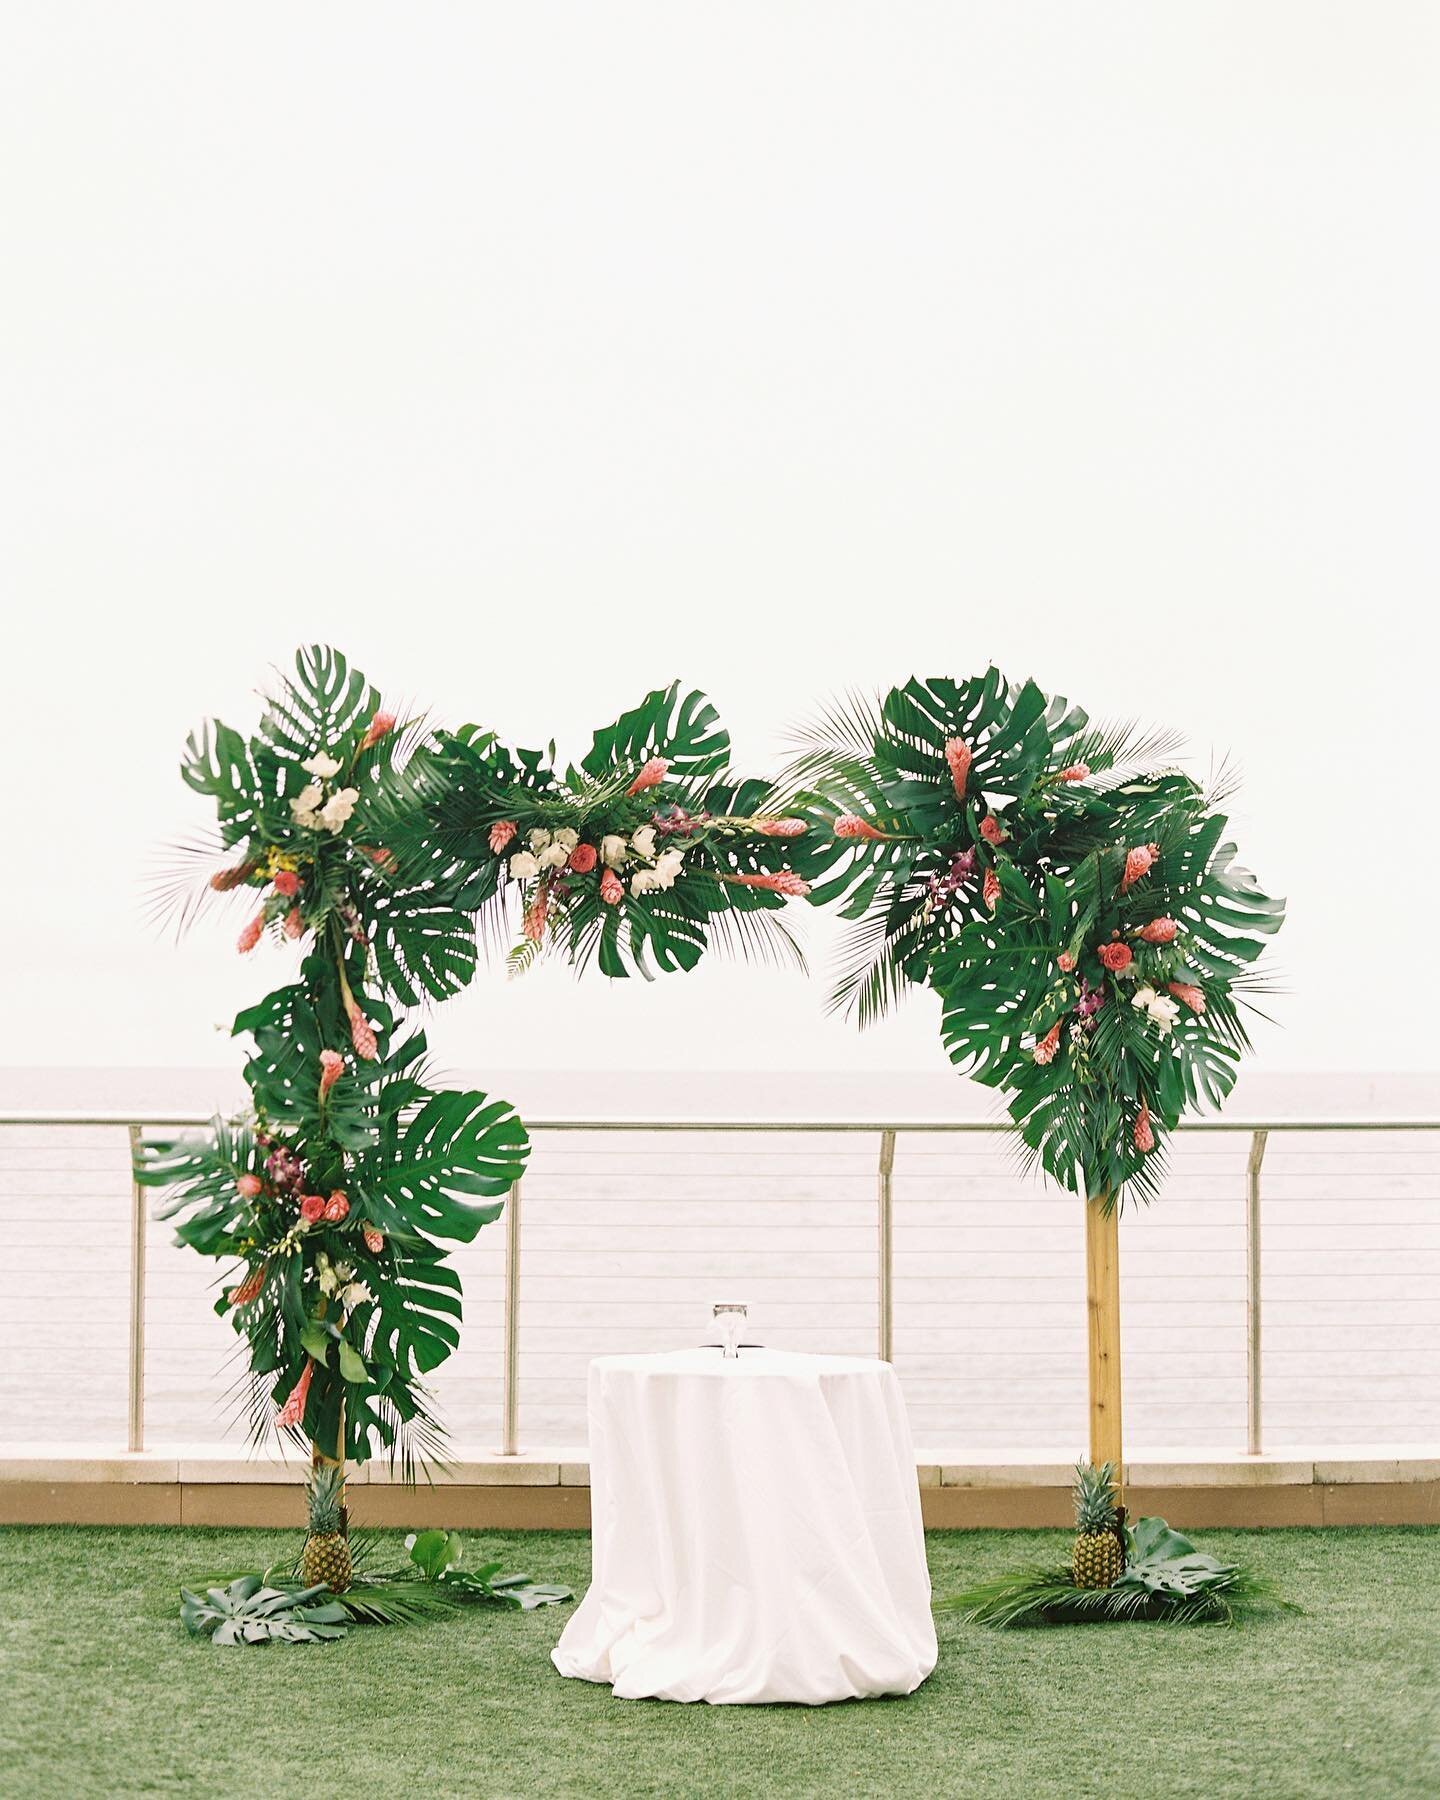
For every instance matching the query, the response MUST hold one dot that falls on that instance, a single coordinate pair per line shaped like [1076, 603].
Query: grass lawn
[102, 1693]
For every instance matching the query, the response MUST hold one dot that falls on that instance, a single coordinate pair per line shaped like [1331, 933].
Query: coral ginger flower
[1044, 1051]
[380, 725]
[294, 926]
[650, 776]
[612, 888]
[1158, 931]
[1188, 995]
[851, 825]
[337, 1208]
[1116, 956]
[223, 880]
[1137, 863]
[959, 755]
[536, 914]
[780, 827]
[1144, 1135]
[501, 833]
[990, 889]
[250, 936]
[992, 831]
[293, 1411]
[249, 1288]
[1076, 772]
[332, 1066]
[374, 1240]
[785, 881]
[362, 1035]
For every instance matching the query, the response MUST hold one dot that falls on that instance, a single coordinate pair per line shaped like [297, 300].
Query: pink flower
[293, 1411]
[583, 858]
[287, 883]
[294, 926]
[536, 914]
[612, 888]
[959, 755]
[1144, 1136]
[991, 830]
[312, 1208]
[1137, 863]
[780, 827]
[501, 833]
[337, 1208]
[382, 723]
[362, 1035]
[332, 1067]
[851, 825]
[786, 881]
[383, 859]
[1065, 962]
[990, 889]
[249, 1187]
[1158, 931]
[249, 1288]
[250, 936]
[1076, 772]
[223, 880]
[650, 776]
[1044, 1051]
[1188, 995]
[1116, 957]
[374, 1240]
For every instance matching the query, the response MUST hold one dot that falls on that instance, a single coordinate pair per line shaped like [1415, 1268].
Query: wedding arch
[1070, 895]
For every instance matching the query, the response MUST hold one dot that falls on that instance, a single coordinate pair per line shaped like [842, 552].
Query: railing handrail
[612, 1122]
[136, 1123]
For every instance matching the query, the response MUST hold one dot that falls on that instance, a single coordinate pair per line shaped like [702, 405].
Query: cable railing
[886, 1134]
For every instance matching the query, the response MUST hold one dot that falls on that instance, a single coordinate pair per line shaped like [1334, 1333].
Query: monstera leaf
[218, 764]
[423, 947]
[684, 729]
[248, 1612]
[328, 705]
[434, 1163]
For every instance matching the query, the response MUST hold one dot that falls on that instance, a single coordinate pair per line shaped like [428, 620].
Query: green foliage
[439, 1556]
[1166, 1579]
[1008, 892]
[248, 1612]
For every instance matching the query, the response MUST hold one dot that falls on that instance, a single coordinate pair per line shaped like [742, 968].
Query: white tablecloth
[757, 1531]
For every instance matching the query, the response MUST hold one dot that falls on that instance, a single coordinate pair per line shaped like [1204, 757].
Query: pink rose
[250, 1186]
[312, 1208]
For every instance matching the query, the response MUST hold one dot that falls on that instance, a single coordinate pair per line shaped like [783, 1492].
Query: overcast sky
[537, 354]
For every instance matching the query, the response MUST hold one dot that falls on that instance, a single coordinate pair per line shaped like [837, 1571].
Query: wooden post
[1102, 1295]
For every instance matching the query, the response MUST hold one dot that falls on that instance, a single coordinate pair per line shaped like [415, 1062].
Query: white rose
[538, 838]
[554, 856]
[567, 837]
[1164, 1011]
[644, 841]
[322, 765]
[523, 865]
[612, 851]
[307, 799]
[338, 808]
[646, 881]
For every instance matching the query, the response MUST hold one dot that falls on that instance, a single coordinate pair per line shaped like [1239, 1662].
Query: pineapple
[1098, 1559]
[326, 1556]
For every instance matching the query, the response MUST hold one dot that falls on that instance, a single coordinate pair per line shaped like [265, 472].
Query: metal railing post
[1253, 1436]
[510, 1412]
[887, 1246]
[136, 1384]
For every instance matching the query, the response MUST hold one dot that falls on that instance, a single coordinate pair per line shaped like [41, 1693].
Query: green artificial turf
[102, 1693]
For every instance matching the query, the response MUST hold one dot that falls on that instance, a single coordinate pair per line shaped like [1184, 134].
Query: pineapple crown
[326, 1497]
[1094, 1497]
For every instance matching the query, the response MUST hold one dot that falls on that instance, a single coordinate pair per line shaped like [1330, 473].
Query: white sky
[535, 354]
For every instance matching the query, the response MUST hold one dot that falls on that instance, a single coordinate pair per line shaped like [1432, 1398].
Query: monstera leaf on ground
[248, 1612]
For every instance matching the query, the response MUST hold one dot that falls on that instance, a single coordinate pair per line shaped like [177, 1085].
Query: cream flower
[644, 841]
[567, 837]
[647, 881]
[338, 808]
[612, 851]
[329, 1280]
[538, 838]
[306, 801]
[554, 856]
[355, 1295]
[1159, 1008]
[671, 862]
[322, 765]
[523, 865]
[1143, 998]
